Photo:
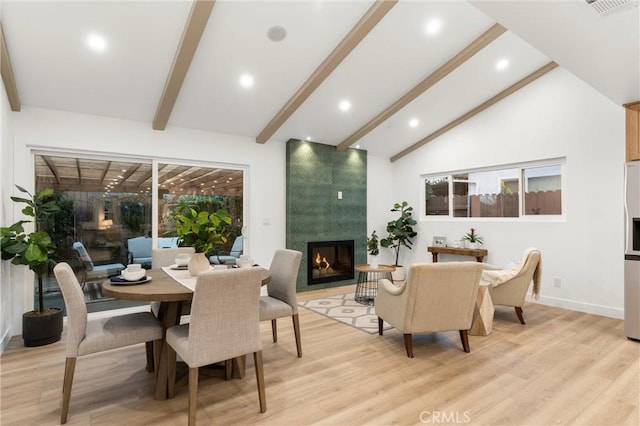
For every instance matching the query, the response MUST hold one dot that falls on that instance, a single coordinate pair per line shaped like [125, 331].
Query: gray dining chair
[224, 325]
[163, 257]
[86, 337]
[281, 300]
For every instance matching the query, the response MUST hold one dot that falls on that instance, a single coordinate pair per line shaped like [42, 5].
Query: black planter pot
[39, 330]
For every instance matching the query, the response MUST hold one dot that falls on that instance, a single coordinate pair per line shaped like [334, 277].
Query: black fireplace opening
[329, 261]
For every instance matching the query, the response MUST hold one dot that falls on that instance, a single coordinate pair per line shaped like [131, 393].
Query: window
[514, 191]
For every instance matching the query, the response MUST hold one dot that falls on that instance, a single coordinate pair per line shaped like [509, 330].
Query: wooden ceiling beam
[107, 166]
[370, 19]
[508, 91]
[79, 171]
[465, 54]
[194, 27]
[7, 74]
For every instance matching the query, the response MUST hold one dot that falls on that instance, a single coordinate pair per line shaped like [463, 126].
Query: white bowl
[244, 263]
[133, 275]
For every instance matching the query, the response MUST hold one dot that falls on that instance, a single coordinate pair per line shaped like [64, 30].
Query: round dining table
[171, 294]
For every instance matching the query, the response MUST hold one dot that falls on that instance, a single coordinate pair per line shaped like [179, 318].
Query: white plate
[144, 280]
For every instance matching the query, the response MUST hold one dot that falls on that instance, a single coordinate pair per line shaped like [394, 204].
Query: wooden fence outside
[498, 205]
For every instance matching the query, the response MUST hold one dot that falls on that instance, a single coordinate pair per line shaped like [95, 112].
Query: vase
[474, 246]
[398, 274]
[197, 264]
[373, 262]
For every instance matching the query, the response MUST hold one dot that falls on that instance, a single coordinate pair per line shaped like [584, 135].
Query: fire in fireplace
[329, 261]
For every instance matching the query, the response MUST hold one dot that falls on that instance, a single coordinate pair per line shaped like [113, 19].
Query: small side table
[368, 277]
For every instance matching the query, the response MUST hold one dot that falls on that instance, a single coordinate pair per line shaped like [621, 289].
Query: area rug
[344, 309]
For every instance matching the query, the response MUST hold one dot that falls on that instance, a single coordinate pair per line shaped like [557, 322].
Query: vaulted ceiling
[179, 63]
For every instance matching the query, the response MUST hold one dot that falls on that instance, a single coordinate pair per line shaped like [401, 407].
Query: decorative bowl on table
[244, 262]
[133, 275]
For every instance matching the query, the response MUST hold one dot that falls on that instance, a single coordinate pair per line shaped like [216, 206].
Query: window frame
[521, 166]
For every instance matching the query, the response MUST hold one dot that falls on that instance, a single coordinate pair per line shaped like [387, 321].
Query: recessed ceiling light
[502, 64]
[97, 42]
[357, 146]
[246, 80]
[344, 105]
[414, 122]
[433, 26]
[308, 138]
[277, 33]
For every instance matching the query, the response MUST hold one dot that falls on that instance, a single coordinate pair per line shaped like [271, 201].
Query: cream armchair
[435, 297]
[508, 287]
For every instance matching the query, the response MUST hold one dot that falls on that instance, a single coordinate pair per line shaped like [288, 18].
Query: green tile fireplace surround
[316, 175]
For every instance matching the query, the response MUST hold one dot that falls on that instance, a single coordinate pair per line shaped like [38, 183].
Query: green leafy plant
[33, 249]
[372, 244]
[201, 230]
[472, 237]
[400, 231]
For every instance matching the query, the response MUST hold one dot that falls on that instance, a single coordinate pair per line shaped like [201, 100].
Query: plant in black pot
[34, 250]
[201, 230]
[400, 232]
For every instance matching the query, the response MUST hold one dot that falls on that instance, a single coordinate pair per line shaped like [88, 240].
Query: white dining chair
[281, 300]
[86, 337]
[224, 325]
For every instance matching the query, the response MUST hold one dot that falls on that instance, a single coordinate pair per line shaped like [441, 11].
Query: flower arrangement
[472, 237]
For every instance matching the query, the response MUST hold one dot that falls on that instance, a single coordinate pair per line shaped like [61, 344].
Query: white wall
[6, 216]
[36, 128]
[556, 116]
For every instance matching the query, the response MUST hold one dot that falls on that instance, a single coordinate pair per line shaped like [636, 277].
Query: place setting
[132, 275]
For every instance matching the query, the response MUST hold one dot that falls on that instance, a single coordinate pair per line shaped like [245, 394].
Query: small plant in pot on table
[34, 250]
[472, 239]
[373, 249]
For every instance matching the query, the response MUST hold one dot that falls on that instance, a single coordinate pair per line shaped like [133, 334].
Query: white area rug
[344, 309]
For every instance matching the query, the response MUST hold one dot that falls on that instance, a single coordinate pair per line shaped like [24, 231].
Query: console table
[479, 254]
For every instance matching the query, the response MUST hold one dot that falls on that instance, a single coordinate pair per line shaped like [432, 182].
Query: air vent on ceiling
[605, 7]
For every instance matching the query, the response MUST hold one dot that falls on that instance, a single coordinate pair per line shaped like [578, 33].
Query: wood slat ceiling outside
[87, 175]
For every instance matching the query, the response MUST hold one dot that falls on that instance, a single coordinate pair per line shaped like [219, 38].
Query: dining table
[172, 289]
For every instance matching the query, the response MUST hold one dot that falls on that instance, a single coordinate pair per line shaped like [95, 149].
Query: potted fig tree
[400, 232]
[34, 250]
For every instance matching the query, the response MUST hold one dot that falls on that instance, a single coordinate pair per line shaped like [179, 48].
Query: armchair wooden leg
[274, 330]
[257, 360]
[519, 314]
[150, 362]
[380, 326]
[296, 331]
[228, 368]
[69, 368]
[193, 395]
[464, 336]
[408, 344]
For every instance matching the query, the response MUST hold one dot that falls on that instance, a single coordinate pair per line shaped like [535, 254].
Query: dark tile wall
[315, 174]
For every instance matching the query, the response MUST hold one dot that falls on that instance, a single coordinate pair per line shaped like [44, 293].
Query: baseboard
[5, 340]
[605, 311]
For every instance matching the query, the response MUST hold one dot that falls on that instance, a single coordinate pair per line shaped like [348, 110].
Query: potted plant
[473, 240]
[400, 232]
[34, 250]
[201, 230]
[373, 249]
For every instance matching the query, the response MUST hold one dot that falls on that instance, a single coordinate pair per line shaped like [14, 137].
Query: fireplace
[329, 261]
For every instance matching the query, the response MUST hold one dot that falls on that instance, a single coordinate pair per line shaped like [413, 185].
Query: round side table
[368, 277]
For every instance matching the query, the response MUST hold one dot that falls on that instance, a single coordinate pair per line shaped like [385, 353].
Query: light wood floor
[563, 367]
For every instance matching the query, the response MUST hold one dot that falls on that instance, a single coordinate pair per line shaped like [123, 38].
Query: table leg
[434, 257]
[483, 313]
[169, 315]
[479, 259]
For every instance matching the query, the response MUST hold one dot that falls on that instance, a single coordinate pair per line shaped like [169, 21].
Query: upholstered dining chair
[223, 325]
[87, 337]
[434, 297]
[508, 286]
[281, 293]
[163, 257]
[91, 271]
